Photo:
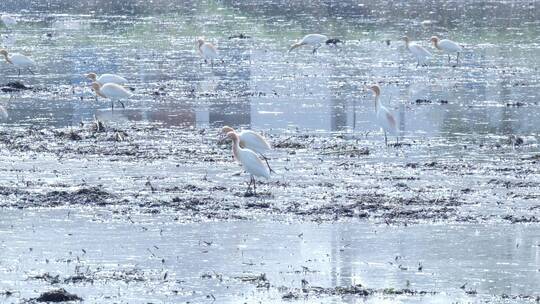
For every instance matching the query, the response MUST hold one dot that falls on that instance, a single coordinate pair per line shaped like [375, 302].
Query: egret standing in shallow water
[447, 46]
[385, 119]
[207, 51]
[106, 78]
[253, 141]
[18, 60]
[315, 41]
[112, 91]
[419, 52]
[249, 160]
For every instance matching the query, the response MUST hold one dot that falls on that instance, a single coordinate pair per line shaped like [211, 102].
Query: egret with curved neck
[251, 140]
[420, 53]
[249, 160]
[111, 91]
[207, 51]
[315, 41]
[385, 119]
[18, 60]
[447, 46]
[106, 78]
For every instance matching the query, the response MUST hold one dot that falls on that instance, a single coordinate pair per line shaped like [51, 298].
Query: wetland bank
[143, 205]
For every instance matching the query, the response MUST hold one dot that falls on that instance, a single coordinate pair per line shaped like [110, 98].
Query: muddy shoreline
[324, 177]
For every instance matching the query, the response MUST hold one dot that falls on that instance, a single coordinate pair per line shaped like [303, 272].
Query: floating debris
[239, 36]
[14, 86]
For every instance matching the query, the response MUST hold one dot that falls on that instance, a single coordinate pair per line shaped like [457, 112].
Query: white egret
[207, 50]
[18, 60]
[447, 46]
[112, 91]
[385, 119]
[106, 78]
[253, 141]
[8, 21]
[315, 41]
[249, 160]
[419, 52]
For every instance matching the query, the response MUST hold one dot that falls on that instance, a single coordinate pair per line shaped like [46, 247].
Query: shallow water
[259, 85]
[491, 259]
[458, 164]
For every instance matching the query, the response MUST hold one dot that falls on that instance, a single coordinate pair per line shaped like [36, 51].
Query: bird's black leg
[457, 59]
[448, 58]
[254, 185]
[29, 70]
[123, 106]
[385, 139]
[249, 185]
[19, 72]
[267, 164]
[112, 105]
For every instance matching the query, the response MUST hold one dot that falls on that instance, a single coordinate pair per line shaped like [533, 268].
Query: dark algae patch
[57, 296]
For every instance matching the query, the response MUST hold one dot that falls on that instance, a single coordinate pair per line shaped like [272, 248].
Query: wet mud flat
[320, 176]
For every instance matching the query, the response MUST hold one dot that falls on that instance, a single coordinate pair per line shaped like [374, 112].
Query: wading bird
[315, 41]
[249, 160]
[207, 51]
[385, 119]
[8, 21]
[419, 52]
[112, 91]
[106, 78]
[18, 60]
[251, 140]
[447, 46]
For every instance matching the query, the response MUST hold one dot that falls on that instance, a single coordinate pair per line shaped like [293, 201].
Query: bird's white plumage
[253, 141]
[111, 78]
[115, 91]
[251, 162]
[314, 39]
[419, 52]
[208, 51]
[20, 60]
[386, 120]
[8, 20]
[449, 46]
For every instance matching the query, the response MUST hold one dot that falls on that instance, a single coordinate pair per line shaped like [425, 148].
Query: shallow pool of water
[494, 90]
[206, 258]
